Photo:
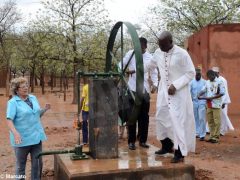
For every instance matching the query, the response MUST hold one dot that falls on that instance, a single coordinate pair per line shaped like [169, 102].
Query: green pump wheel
[139, 63]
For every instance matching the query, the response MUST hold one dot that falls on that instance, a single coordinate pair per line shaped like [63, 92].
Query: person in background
[174, 112]
[26, 131]
[214, 91]
[143, 117]
[199, 106]
[84, 108]
[226, 124]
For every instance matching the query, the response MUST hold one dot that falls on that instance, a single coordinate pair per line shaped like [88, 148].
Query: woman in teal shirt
[26, 130]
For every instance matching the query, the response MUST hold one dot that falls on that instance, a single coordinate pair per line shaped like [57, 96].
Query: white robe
[174, 113]
[225, 121]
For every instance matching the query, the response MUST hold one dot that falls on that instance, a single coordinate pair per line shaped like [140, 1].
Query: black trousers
[142, 120]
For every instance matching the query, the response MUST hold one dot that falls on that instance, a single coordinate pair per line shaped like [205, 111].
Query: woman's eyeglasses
[24, 86]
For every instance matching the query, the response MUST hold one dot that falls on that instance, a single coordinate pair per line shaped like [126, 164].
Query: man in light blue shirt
[199, 106]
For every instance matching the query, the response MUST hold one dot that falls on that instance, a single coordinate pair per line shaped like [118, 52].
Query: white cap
[215, 69]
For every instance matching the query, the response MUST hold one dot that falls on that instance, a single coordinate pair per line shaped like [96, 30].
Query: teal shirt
[26, 121]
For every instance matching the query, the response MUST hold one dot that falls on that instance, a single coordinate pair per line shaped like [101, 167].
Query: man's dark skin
[198, 76]
[165, 43]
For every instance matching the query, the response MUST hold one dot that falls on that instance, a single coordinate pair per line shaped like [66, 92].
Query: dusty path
[212, 161]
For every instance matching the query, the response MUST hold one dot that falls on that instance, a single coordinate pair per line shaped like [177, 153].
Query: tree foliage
[185, 17]
[73, 25]
[9, 16]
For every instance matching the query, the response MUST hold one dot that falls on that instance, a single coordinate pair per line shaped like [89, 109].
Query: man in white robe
[226, 124]
[174, 113]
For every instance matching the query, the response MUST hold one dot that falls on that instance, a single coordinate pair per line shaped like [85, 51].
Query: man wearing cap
[174, 112]
[225, 121]
[199, 106]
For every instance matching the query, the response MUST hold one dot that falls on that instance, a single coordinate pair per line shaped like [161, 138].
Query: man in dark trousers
[143, 117]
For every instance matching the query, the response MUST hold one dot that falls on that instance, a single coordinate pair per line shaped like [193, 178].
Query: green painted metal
[55, 152]
[101, 74]
[76, 154]
[139, 62]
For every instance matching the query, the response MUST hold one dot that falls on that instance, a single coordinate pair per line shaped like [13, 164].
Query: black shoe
[144, 145]
[177, 159]
[161, 152]
[209, 140]
[221, 134]
[214, 141]
[201, 139]
[197, 136]
[131, 146]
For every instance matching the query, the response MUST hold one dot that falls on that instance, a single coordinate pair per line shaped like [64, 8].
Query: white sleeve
[152, 64]
[189, 72]
[125, 59]
[154, 76]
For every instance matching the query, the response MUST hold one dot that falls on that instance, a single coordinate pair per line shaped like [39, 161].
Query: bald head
[165, 41]
[165, 35]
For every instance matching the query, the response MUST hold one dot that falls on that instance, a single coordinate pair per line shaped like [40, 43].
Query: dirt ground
[212, 161]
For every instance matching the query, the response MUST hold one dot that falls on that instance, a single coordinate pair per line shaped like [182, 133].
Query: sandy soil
[212, 161]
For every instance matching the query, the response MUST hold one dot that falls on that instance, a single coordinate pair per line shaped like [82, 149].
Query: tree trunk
[42, 80]
[7, 82]
[6, 59]
[74, 101]
[51, 81]
[75, 62]
[36, 81]
[64, 85]
[61, 81]
[32, 78]
[67, 82]
[54, 80]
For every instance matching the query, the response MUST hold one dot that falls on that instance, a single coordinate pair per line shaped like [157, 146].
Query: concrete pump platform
[140, 164]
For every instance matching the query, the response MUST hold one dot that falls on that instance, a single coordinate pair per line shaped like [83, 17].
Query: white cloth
[226, 124]
[225, 98]
[174, 113]
[132, 66]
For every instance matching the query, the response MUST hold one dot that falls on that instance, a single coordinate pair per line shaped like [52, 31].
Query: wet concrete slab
[140, 164]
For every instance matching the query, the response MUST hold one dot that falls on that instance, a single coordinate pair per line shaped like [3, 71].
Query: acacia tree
[71, 18]
[8, 18]
[185, 17]
[93, 50]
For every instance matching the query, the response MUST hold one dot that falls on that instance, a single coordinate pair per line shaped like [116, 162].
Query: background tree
[9, 16]
[72, 18]
[184, 17]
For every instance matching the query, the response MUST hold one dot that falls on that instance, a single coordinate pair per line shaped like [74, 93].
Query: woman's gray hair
[15, 84]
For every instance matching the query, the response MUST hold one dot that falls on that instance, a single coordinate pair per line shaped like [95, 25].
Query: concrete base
[141, 164]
